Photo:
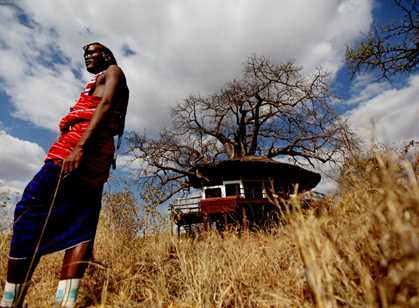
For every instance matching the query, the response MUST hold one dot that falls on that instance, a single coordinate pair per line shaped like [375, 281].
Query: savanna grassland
[356, 248]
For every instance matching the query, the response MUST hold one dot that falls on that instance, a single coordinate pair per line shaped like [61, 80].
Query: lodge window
[213, 192]
[253, 190]
[232, 189]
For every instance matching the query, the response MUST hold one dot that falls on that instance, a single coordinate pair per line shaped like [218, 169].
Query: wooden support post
[205, 219]
[171, 226]
[244, 221]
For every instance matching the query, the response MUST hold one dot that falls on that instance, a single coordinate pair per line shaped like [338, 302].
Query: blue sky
[170, 49]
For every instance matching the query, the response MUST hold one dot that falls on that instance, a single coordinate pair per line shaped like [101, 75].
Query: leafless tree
[272, 111]
[390, 49]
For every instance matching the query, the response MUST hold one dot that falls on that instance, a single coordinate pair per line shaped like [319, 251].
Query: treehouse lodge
[241, 191]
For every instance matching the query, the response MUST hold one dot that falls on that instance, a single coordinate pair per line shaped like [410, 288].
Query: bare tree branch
[390, 49]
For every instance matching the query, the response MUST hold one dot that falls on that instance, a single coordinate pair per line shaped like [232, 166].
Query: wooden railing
[185, 205]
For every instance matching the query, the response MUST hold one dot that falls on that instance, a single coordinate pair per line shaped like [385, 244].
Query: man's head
[97, 57]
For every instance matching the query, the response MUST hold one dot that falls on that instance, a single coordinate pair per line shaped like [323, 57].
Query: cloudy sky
[172, 48]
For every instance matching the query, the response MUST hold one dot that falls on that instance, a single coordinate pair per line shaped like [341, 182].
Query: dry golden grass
[359, 248]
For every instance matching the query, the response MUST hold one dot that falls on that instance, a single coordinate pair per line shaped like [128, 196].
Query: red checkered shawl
[72, 127]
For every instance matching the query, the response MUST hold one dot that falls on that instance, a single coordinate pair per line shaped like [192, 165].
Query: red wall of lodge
[218, 205]
[227, 205]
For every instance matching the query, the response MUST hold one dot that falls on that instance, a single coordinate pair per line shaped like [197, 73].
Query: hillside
[358, 248]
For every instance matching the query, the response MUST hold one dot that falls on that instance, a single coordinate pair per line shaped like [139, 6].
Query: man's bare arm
[114, 78]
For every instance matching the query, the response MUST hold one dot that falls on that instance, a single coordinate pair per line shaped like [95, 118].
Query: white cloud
[364, 87]
[129, 164]
[182, 47]
[40, 91]
[20, 159]
[390, 117]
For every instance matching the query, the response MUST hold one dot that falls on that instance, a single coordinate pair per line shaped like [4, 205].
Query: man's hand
[72, 162]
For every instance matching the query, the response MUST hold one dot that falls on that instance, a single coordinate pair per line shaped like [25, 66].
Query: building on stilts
[246, 193]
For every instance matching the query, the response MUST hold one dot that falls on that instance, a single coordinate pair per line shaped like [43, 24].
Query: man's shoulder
[114, 69]
[115, 72]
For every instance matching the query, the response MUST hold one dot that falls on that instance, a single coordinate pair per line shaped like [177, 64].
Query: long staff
[51, 206]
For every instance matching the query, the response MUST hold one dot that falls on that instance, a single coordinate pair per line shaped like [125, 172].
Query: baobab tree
[272, 111]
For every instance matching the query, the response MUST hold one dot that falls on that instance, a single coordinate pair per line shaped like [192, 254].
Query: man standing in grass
[60, 207]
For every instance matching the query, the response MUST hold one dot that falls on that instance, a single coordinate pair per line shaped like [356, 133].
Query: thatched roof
[254, 167]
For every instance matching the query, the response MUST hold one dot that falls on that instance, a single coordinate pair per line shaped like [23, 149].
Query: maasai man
[60, 207]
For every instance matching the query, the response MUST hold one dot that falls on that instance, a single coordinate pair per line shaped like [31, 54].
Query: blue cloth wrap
[73, 219]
